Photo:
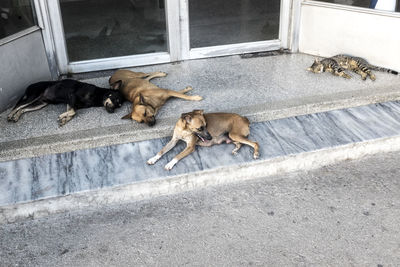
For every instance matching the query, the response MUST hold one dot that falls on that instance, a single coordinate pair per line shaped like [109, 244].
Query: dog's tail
[34, 91]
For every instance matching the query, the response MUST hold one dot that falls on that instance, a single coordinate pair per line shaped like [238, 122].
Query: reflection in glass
[106, 28]
[359, 3]
[15, 16]
[389, 5]
[219, 22]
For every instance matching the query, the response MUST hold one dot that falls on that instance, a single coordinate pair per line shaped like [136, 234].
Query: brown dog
[146, 98]
[196, 128]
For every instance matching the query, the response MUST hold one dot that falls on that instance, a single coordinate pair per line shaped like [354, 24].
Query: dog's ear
[198, 111]
[127, 116]
[187, 117]
[141, 99]
[116, 85]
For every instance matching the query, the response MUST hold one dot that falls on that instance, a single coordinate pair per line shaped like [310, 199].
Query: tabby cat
[339, 63]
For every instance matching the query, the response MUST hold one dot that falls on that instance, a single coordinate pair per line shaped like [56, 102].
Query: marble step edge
[95, 199]
[126, 133]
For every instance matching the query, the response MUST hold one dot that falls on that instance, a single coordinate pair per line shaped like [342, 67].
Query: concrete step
[33, 187]
[261, 88]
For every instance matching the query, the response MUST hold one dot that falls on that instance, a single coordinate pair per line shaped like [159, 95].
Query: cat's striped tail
[372, 67]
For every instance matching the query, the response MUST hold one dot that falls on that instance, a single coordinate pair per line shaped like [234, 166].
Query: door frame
[178, 40]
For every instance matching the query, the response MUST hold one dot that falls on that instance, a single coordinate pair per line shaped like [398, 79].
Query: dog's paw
[170, 164]
[197, 98]
[11, 118]
[256, 155]
[15, 116]
[153, 160]
[187, 89]
[62, 120]
[65, 117]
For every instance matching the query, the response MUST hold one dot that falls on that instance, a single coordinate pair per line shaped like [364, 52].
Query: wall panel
[23, 62]
[326, 31]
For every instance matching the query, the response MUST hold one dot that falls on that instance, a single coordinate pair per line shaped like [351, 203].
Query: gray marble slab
[61, 174]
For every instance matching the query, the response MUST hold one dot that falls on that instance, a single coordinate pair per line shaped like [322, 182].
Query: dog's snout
[110, 108]
[208, 136]
[151, 121]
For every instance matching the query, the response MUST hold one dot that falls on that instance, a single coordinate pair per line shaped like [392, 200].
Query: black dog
[73, 93]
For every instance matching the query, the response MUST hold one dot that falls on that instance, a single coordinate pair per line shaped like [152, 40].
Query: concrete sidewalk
[341, 215]
[262, 88]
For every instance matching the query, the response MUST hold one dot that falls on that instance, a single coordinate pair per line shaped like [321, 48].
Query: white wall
[334, 30]
[23, 61]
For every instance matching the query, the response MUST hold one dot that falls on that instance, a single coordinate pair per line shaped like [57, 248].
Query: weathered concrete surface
[340, 215]
[261, 88]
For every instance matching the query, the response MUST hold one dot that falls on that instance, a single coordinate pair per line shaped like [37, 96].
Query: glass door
[220, 27]
[221, 22]
[90, 35]
[107, 28]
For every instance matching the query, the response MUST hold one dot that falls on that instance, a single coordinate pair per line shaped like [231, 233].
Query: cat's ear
[316, 60]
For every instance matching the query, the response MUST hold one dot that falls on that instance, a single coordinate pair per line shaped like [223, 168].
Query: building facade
[42, 39]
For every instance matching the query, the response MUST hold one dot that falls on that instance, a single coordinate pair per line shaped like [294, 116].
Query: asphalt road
[341, 215]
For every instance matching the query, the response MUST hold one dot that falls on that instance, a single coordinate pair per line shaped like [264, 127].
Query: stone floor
[262, 88]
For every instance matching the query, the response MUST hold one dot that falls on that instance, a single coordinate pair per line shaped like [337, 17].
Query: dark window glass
[220, 22]
[15, 16]
[108, 28]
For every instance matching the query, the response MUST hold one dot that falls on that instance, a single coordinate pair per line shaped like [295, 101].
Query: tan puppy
[146, 98]
[196, 128]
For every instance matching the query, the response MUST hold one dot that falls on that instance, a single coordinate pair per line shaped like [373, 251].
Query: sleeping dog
[146, 97]
[73, 93]
[197, 128]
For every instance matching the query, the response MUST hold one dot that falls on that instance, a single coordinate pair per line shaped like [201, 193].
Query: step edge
[190, 181]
